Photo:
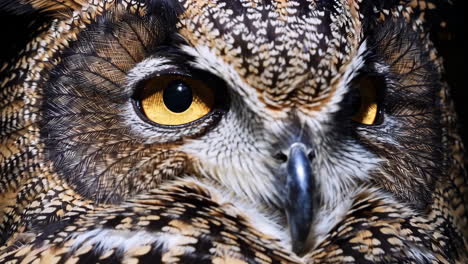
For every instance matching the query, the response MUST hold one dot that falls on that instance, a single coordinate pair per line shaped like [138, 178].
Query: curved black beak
[299, 196]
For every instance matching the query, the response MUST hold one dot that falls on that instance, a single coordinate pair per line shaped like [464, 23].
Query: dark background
[450, 41]
[452, 44]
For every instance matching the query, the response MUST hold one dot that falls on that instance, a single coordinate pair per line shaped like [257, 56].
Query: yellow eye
[176, 99]
[368, 109]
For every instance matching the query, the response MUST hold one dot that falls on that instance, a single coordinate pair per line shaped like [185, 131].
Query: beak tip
[300, 197]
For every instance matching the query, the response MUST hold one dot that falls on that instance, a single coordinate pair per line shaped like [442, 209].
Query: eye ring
[215, 115]
[207, 91]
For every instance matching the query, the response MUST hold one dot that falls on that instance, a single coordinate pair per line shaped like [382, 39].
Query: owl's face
[292, 105]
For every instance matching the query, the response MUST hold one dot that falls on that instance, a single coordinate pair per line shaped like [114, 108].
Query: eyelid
[151, 68]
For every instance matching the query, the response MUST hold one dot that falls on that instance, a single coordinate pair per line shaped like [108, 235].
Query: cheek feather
[235, 153]
[103, 158]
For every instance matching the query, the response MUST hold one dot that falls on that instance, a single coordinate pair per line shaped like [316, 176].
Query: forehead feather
[291, 52]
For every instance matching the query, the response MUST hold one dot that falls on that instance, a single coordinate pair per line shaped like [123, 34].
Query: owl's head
[291, 105]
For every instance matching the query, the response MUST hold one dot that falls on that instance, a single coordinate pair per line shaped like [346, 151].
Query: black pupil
[356, 102]
[177, 96]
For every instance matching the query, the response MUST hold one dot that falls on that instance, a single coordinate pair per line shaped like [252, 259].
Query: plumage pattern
[85, 178]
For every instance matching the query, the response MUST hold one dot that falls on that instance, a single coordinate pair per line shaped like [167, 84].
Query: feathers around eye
[84, 177]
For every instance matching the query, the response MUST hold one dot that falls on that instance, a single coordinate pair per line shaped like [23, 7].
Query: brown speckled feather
[84, 180]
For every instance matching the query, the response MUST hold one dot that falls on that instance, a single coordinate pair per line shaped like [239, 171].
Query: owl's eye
[367, 105]
[175, 99]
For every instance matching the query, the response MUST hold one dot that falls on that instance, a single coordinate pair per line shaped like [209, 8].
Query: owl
[229, 131]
